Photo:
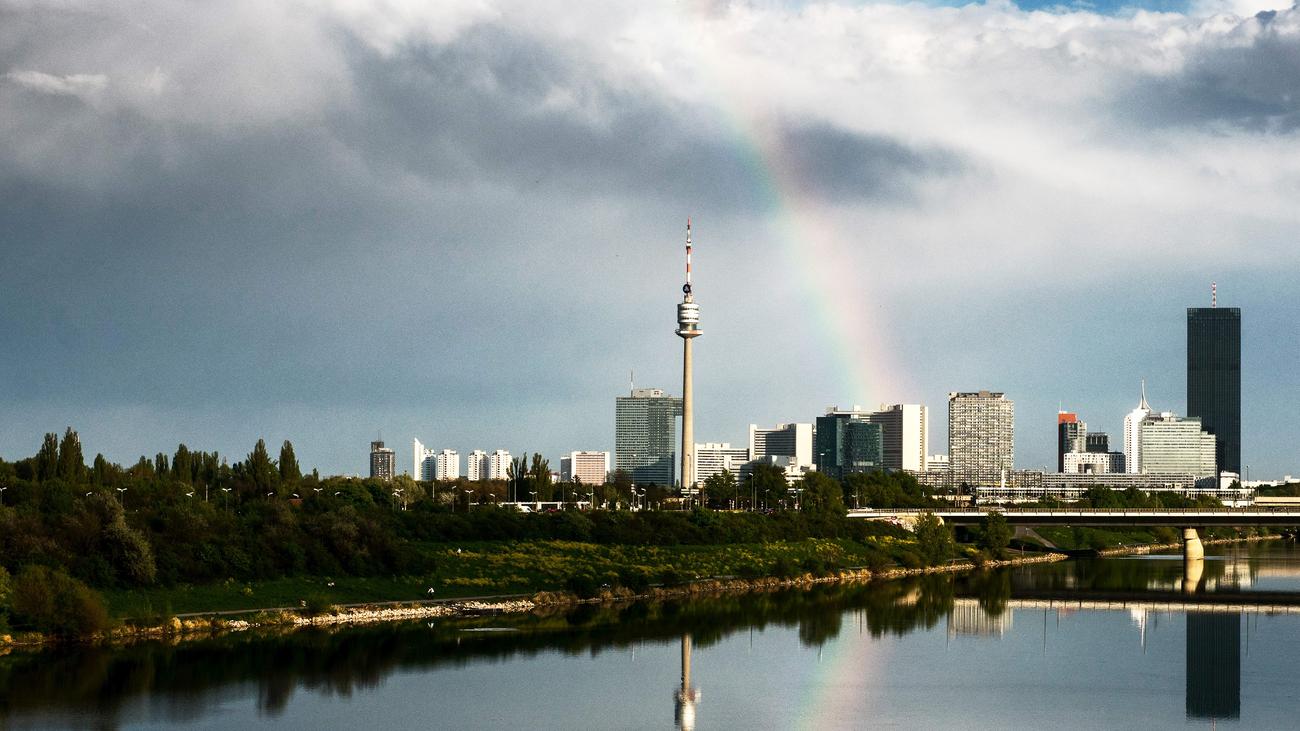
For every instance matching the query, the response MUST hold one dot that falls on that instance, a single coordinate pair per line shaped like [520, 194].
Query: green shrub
[53, 602]
[584, 585]
[784, 568]
[910, 560]
[670, 577]
[316, 604]
[634, 578]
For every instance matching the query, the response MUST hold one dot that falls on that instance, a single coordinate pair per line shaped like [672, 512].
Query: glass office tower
[1214, 378]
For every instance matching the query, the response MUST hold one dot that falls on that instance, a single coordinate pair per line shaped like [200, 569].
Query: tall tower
[688, 328]
[1214, 376]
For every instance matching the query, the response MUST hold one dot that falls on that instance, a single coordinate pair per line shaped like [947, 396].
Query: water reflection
[186, 682]
[1213, 665]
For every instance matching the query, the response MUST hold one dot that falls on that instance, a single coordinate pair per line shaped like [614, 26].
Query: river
[1126, 642]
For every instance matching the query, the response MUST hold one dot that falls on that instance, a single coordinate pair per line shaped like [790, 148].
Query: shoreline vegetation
[203, 625]
[107, 551]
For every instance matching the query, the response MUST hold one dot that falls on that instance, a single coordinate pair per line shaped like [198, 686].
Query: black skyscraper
[1214, 378]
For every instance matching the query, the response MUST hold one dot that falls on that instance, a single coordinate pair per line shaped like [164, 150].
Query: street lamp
[2, 494]
[120, 497]
[536, 505]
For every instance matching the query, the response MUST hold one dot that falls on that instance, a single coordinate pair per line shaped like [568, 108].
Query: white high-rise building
[981, 435]
[498, 465]
[712, 458]
[1176, 444]
[1133, 435]
[782, 440]
[905, 432]
[446, 465]
[419, 453]
[476, 466]
[589, 468]
[936, 463]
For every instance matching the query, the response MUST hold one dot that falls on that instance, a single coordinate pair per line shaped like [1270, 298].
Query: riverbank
[1148, 548]
[198, 626]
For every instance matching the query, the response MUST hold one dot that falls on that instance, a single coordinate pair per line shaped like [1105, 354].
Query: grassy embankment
[491, 568]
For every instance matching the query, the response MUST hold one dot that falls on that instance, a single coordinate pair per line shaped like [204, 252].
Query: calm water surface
[1106, 643]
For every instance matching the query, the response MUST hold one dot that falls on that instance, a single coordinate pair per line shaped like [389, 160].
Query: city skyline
[250, 223]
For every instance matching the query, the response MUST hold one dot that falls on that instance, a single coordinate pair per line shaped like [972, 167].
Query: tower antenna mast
[688, 328]
[1214, 291]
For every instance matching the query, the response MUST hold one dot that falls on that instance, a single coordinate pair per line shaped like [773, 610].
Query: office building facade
[1133, 435]
[981, 435]
[1214, 379]
[905, 431]
[713, 458]
[782, 440]
[418, 454]
[589, 468]
[383, 462]
[1171, 444]
[1071, 435]
[645, 427]
[847, 442]
[1093, 463]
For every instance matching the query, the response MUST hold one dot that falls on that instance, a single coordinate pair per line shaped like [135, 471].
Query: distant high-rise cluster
[1160, 450]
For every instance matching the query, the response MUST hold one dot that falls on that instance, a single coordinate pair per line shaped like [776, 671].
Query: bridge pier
[1192, 548]
[1193, 560]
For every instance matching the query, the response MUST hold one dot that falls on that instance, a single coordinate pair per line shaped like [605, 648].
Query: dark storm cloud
[1250, 79]
[499, 106]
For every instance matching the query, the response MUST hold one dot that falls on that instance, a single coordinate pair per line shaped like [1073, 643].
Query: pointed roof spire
[1143, 404]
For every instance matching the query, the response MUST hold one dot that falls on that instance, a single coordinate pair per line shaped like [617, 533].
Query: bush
[53, 602]
[877, 562]
[670, 577]
[316, 604]
[910, 560]
[784, 568]
[634, 578]
[584, 585]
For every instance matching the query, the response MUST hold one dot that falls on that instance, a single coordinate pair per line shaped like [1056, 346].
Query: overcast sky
[463, 221]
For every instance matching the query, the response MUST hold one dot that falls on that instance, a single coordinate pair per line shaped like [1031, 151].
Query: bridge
[1187, 519]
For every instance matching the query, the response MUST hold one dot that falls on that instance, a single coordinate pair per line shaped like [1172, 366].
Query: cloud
[79, 85]
[471, 204]
[1244, 73]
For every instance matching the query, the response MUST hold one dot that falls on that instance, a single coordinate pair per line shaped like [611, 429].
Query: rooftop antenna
[631, 380]
[1214, 291]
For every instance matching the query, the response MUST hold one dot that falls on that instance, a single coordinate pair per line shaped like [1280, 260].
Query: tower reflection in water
[1213, 665]
[686, 696]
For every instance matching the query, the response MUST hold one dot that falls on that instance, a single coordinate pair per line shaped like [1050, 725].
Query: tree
[767, 486]
[995, 534]
[721, 487]
[72, 465]
[290, 474]
[182, 464]
[259, 468]
[47, 460]
[822, 496]
[934, 540]
[541, 476]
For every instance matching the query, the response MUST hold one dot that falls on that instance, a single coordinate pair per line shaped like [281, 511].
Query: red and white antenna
[1214, 286]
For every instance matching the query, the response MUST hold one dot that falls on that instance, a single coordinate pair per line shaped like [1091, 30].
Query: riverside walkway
[1100, 517]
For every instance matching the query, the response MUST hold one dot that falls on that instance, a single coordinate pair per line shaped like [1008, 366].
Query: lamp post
[536, 505]
[2, 493]
[121, 499]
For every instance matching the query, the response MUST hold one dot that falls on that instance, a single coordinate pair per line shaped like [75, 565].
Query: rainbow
[837, 290]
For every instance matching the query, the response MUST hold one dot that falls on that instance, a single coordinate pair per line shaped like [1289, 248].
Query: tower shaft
[688, 418]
